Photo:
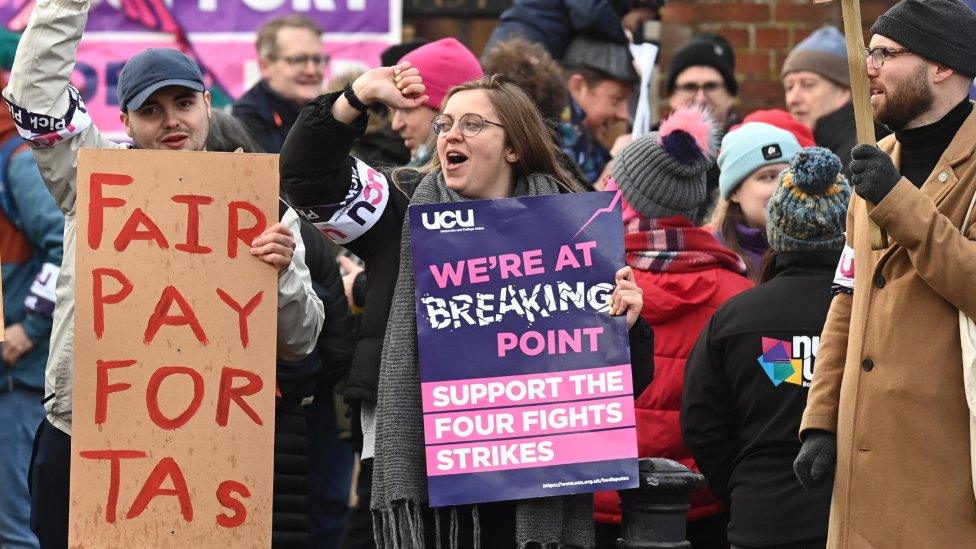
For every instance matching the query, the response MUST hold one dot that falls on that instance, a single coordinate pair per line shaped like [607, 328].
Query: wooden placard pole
[860, 93]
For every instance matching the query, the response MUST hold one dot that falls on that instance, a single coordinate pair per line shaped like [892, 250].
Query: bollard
[654, 514]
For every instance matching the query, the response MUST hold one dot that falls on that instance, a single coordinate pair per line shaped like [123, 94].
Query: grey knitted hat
[938, 30]
[823, 52]
[610, 58]
[808, 209]
[662, 174]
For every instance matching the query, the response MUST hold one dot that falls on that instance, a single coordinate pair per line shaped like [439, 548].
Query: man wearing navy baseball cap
[164, 102]
[163, 105]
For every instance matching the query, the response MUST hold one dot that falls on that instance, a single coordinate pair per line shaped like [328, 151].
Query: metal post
[654, 514]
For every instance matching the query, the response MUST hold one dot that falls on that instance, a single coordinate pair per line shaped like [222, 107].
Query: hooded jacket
[677, 304]
[745, 389]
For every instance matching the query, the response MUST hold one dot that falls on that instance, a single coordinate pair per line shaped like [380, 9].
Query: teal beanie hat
[750, 147]
[808, 209]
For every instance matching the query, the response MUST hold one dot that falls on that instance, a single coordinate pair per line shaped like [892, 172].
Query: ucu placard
[526, 382]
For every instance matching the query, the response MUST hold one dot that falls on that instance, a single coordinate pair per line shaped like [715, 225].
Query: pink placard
[505, 391]
[525, 453]
[499, 423]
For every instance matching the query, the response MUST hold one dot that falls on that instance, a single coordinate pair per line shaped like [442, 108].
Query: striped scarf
[675, 244]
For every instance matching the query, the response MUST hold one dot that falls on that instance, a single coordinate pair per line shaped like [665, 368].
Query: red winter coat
[679, 299]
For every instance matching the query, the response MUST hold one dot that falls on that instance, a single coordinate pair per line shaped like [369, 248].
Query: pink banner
[502, 391]
[569, 417]
[531, 452]
[232, 62]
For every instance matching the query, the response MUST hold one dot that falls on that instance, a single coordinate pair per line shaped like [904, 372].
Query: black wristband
[353, 100]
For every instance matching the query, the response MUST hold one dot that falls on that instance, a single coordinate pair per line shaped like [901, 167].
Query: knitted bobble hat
[662, 174]
[808, 209]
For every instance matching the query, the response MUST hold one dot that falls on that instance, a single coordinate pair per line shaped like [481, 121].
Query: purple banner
[526, 378]
[374, 17]
[219, 34]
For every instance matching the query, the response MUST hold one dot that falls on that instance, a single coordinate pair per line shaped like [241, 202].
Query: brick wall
[762, 32]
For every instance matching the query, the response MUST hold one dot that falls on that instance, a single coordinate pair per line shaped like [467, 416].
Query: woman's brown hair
[734, 216]
[525, 132]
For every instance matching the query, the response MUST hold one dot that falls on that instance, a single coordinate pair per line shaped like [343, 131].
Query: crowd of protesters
[815, 381]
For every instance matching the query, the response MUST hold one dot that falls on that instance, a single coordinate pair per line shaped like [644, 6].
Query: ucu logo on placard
[448, 220]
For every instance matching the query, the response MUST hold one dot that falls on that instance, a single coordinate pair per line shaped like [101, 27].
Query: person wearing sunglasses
[490, 143]
[817, 83]
[292, 66]
[887, 419]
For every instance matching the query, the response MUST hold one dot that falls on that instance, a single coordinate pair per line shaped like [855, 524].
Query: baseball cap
[153, 69]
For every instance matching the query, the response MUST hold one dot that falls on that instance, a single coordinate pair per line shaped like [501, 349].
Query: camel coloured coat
[889, 376]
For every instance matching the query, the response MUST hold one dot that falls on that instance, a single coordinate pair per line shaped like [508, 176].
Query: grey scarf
[399, 489]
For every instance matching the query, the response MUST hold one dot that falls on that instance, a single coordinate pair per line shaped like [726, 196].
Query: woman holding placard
[491, 143]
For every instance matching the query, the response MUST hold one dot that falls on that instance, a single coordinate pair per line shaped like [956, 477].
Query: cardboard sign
[526, 380]
[175, 332]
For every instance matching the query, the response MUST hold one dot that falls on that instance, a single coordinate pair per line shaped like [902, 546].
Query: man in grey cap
[163, 105]
[600, 77]
[888, 405]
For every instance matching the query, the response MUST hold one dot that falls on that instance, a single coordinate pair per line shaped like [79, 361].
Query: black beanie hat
[710, 50]
[938, 30]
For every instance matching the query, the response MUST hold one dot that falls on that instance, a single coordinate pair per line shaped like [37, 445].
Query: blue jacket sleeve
[43, 225]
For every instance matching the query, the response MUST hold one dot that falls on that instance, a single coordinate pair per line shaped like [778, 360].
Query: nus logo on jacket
[789, 361]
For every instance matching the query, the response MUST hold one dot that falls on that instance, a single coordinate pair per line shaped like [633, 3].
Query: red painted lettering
[131, 231]
[97, 204]
[103, 387]
[193, 203]
[242, 312]
[228, 392]
[152, 397]
[100, 299]
[116, 457]
[161, 316]
[153, 487]
[245, 235]
[225, 498]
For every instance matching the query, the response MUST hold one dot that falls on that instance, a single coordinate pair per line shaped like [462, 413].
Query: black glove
[873, 174]
[816, 460]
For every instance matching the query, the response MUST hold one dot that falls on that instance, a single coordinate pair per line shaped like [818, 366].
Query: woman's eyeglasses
[471, 124]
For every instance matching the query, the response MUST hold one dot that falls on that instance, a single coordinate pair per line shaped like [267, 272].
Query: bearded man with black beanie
[887, 406]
